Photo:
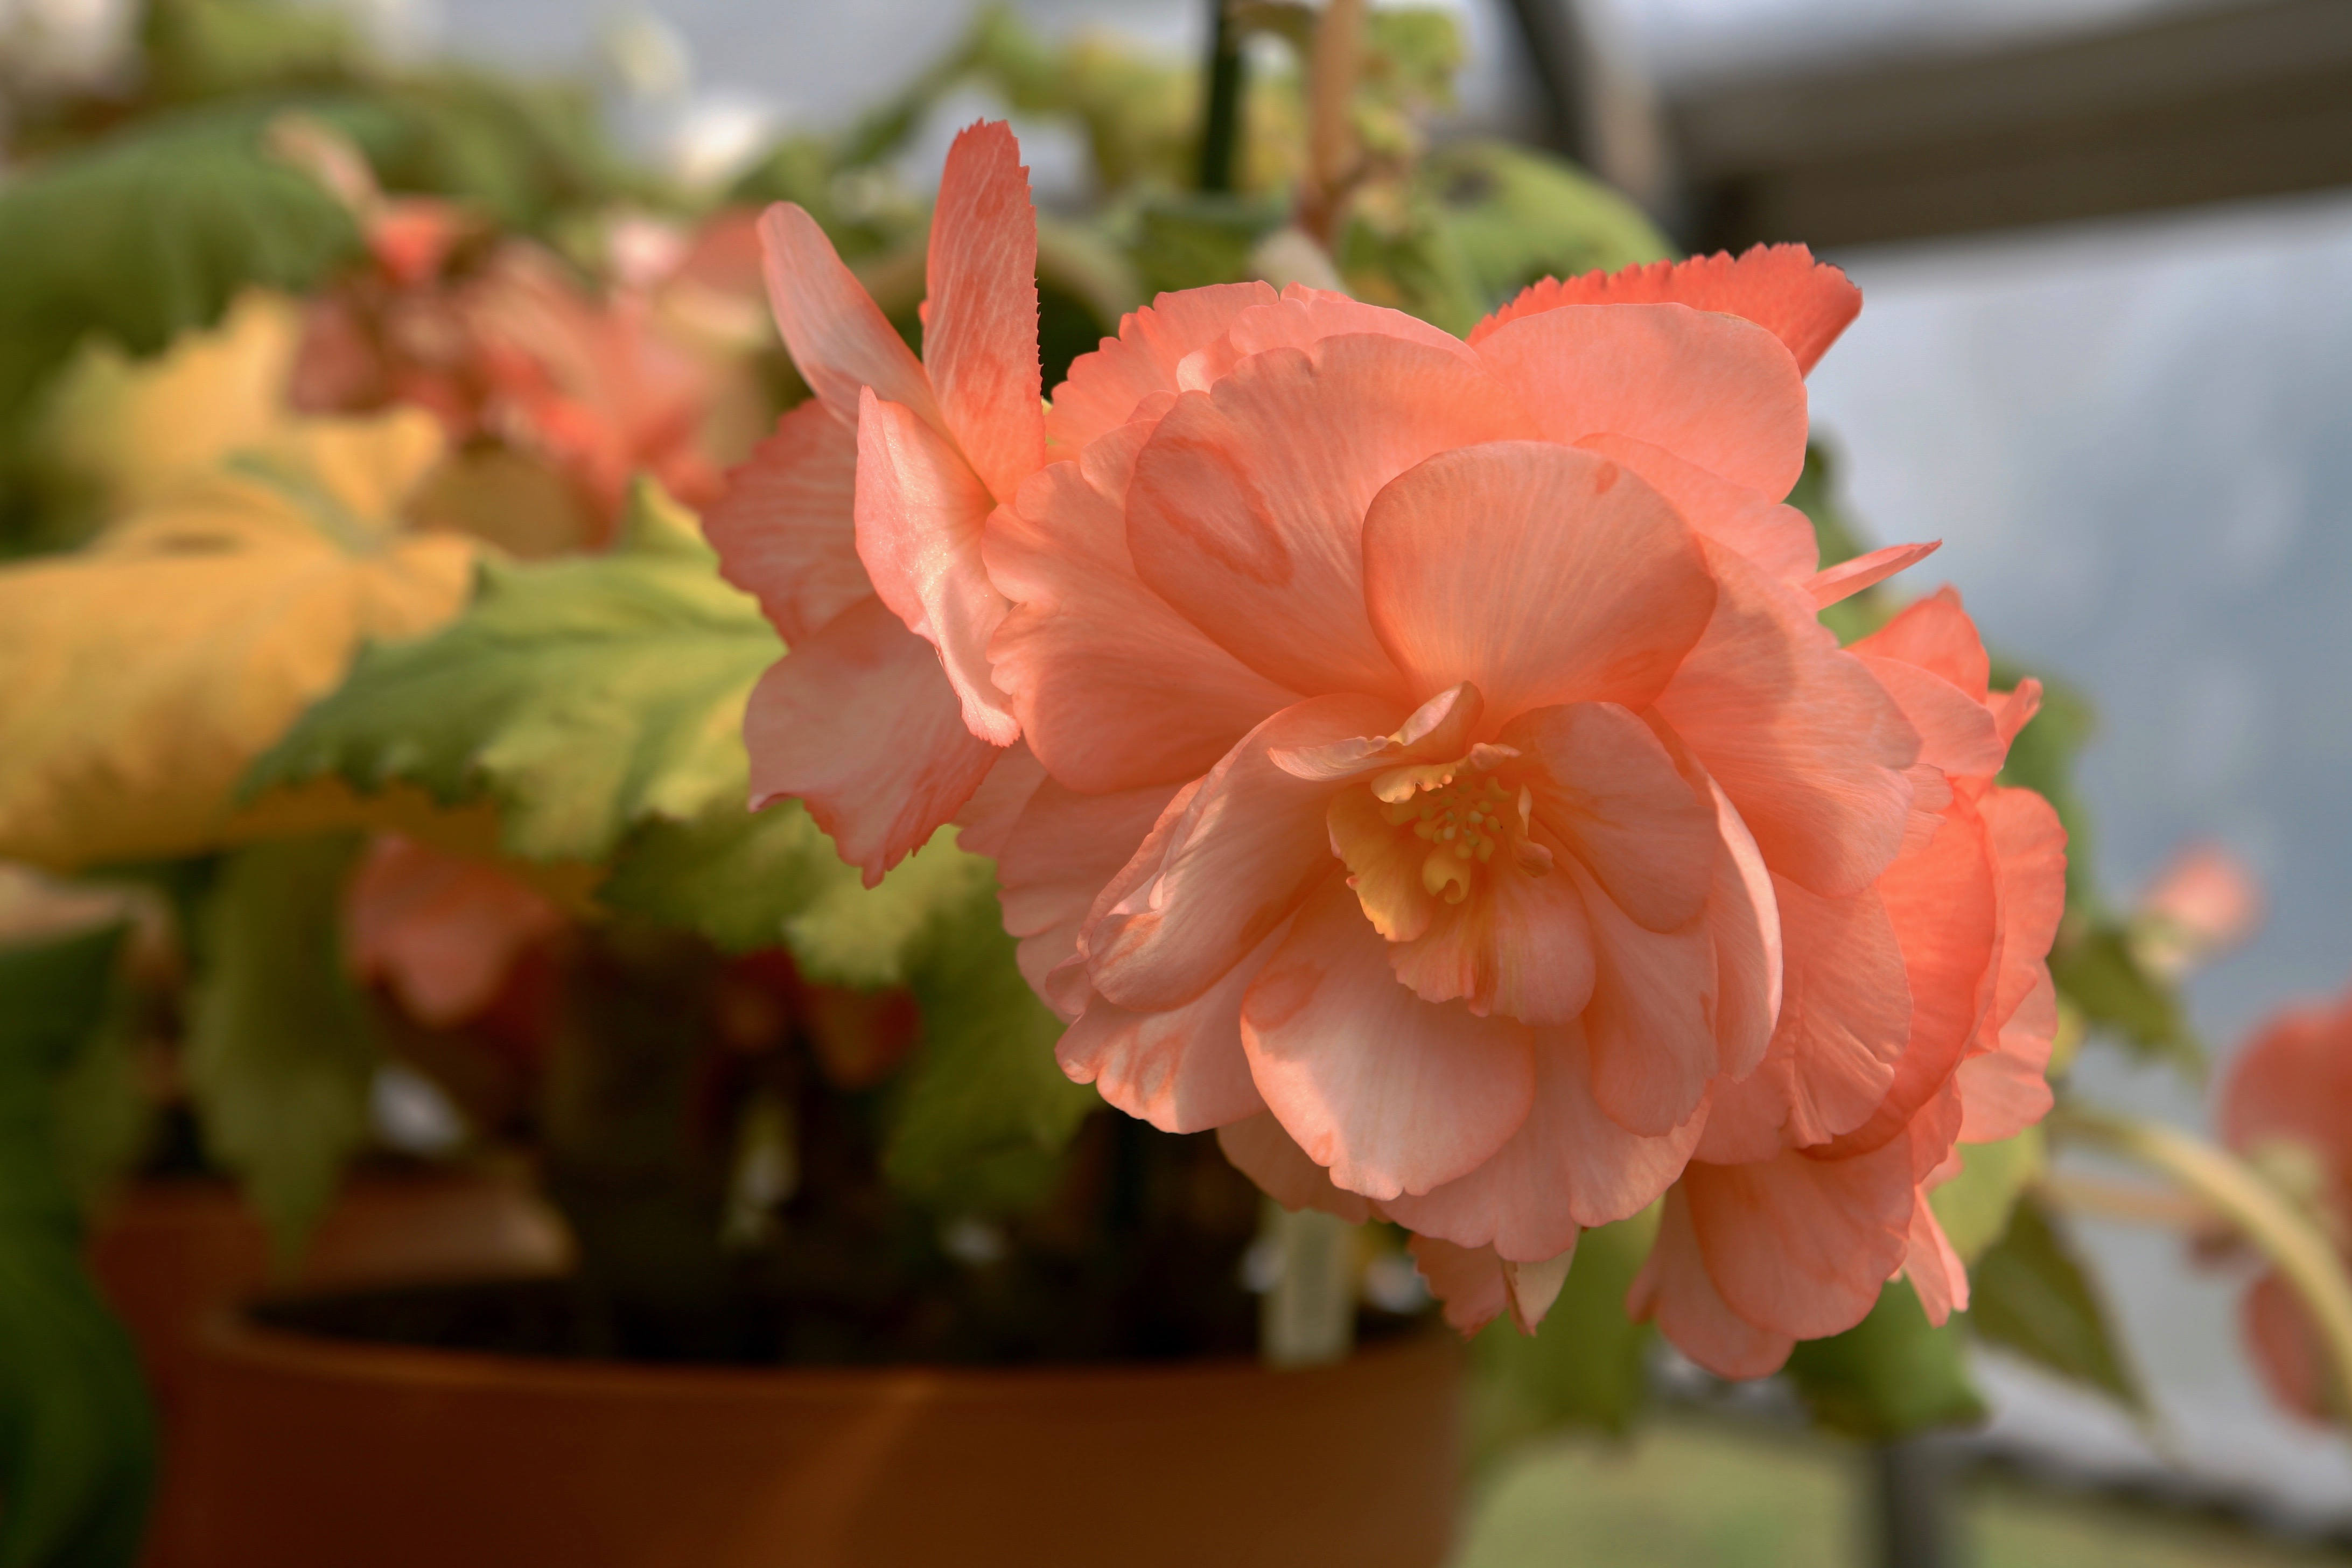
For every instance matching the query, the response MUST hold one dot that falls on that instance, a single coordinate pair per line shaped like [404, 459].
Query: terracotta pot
[170, 1254]
[309, 1451]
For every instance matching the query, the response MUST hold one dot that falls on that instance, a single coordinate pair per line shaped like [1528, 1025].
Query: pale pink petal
[988, 818]
[1606, 785]
[1568, 1166]
[1105, 386]
[1540, 573]
[1805, 742]
[838, 336]
[1803, 302]
[1843, 580]
[1936, 633]
[1941, 901]
[858, 722]
[1674, 1288]
[1260, 1150]
[1249, 844]
[1182, 1070]
[1934, 1269]
[1247, 508]
[1773, 534]
[1651, 1020]
[980, 329]
[1801, 1245]
[1468, 1281]
[920, 512]
[1112, 687]
[1521, 948]
[1716, 390]
[786, 528]
[1056, 861]
[442, 931]
[1391, 1094]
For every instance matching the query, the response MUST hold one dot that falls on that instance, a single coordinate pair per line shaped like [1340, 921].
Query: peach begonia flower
[2287, 1106]
[857, 524]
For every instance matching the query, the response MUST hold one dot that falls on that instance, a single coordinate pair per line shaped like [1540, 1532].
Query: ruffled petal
[980, 329]
[1743, 919]
[2028, 852]
[1466, 1280]
[1936, 633]
[920, 512]
[1803, 302]
[1105, 386]
[838, 336]
[1521, 947]
[1934, 1269]
[858, 722]
[1540, 573]
[2005, 1090]
[1801, 1246]
[1808, 746]
[1716, 390]
[1247, 507]
[1306, 316]
[1259, 1149]
[1112, 687]
[1956, 733]
[1568, 1166]
[1247, 846]
[1182, 1070]
[1391, 1094]
[1773, 534]
[786, 528]
[1056, 861]
[1674, 1288]
[989, 817]
[1606, 785]
[1650, 1021]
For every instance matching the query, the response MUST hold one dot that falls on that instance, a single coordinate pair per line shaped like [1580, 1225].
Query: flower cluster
[1421, 759]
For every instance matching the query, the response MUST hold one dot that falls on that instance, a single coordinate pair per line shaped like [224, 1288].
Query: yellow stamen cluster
[1463, 824]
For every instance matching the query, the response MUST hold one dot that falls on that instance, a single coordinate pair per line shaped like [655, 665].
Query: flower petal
[1105, 386]
[1743, 918]
[1391, 1094]
[1843, 580]
[1521, 947]
[1936, 633]
[1060, 855]
[839, 338]
[2005, 1090]
[1716, 390]
[989, 817]
[1259, 1149]
[1437, 731]
[1248, 844]
[1674, 1289]
[1801, 1245]
[1803, 302]
[1773, 534]
[980, 329]
[786, 528]
[1304, 316]
[1935, 1270]
[1805, 742]
[1468, 1281]
[1182, 1070]
[1247, 508]
[1650, 1023]
[1113, 687]
[1956, 733]
[858, 722]
[1568, 1166]
[920, 511]
[1606, 785]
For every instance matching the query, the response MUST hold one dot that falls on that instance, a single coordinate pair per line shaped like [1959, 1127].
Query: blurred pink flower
[440, 930]
[2287, 1106]
[858, 522]
[2203, 902]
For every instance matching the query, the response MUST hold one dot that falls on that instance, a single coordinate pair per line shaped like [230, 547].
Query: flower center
[1465, 814]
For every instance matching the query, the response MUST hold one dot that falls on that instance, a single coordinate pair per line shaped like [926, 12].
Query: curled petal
[1182, 1070]
[1936, 633]
[1843, 580]
[1801, 1246]
[1247, 508]
[1260, 1150]
[858, 722]
[1522, 949]
[1056, 861]
[1607, 787]
[989, 817]
[786, 528]
[1539, 572]
[2006, 1089]
[1773, 534]
[1437, 731]
[1467, 1280]
[980, 327]
[838, 336]
[1304, 316]
[1246, 848]
[1674, 1289]
[1718, 392]
[1743, 917]
[1389, 1093]
[920, 512]
[1934, 1269]
[1651, 1022]
[1957, 737]
[1803, 302]
[1105, 386]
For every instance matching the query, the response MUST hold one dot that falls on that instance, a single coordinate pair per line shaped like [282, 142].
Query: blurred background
[2106, 356]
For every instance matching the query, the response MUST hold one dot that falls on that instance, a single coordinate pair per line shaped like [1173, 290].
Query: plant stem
[1220, 110]
[1331, 74]
[2296, 1248]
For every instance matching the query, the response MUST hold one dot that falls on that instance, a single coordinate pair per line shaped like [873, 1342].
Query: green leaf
[1586, 1365]
[1514, 215]
[2030, 1294]
[147, 233]
[1974, 1207]
[2094, 968]
[1188, 241]
[585, 697]
[281, 1050]
[983, 1112]
[77, 1435]
[1890, 1375]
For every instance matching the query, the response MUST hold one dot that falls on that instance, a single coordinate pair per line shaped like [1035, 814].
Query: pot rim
[230, 1335]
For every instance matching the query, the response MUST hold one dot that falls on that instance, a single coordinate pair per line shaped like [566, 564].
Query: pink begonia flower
[2287, 1106]
[2204, 901]
[441, 932]
[1448, 790]
[857, 524]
